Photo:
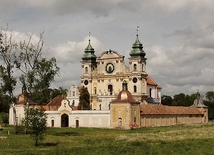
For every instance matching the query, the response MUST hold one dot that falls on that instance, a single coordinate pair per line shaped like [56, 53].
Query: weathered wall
[170, 120]
[86, 118]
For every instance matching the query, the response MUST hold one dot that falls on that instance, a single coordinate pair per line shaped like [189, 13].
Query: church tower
[137, 62]
[88, 65]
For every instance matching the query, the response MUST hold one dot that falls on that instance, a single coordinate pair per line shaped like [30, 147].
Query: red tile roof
[162, 109]
[57, 101]
[46, 107]
[150, 81]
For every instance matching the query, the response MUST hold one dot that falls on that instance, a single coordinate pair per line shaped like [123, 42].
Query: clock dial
[109, 67]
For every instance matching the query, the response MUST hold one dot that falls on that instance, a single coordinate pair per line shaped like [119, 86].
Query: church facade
[103, 76]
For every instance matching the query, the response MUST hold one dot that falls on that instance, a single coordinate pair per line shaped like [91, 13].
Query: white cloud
[72, 51]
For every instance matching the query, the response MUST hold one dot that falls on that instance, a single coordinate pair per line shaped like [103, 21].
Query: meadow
[187, 139]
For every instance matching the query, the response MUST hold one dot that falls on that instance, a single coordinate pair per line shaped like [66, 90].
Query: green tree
[55, 92]
[5, 101]
[37, 72]
[36, 121]
[166, 100]
[182, 100]
[5, 118]
[8, 81]
[210, 96]
[84, 99]
[209, 101]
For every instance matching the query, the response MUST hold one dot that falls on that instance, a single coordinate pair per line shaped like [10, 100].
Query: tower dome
[124, 95]
[137, 49]
[89, 52]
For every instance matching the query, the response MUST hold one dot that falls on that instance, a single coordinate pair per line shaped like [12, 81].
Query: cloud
[72, 51]
[177, 36]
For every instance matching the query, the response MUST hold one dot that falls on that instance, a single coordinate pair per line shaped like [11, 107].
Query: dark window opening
[135, 89]
[86, 70]
[150, 92]
[52, 123]
[110, 89]
[135, 120]
[135, 67]
[77, 123]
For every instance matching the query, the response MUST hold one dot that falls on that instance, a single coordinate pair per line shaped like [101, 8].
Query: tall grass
[194, 139]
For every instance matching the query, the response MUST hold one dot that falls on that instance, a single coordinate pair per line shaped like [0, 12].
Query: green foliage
[210, 103]
[5, 101]
[5, 118]
[210, 97]
[36, 122]
[183, 100]
[37, 72]
[166, 100]
[84, 99]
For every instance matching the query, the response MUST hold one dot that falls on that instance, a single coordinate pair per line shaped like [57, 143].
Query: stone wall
[81, 118]
[170, 120]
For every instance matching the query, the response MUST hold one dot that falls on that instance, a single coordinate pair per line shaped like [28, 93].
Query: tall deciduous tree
[37, 72]
[8, 81]
[36, 121]
[84, 99]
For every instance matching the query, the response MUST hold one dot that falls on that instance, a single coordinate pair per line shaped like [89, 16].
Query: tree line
[187, 100]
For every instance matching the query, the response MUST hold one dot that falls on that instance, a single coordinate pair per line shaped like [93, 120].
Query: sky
[177, 36]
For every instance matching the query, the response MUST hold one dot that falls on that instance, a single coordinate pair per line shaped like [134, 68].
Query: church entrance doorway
[64, 120]
[110, 89]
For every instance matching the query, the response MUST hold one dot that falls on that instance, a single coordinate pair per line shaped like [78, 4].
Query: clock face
[109, 67]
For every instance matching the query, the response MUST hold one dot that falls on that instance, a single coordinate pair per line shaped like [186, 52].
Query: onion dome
[137, 49]
[124, 95]
[89, 53]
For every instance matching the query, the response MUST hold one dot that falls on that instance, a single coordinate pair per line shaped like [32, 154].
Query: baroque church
[120, 96]
[104, 75]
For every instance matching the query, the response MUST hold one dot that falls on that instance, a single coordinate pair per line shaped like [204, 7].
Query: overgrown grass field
[193, 139]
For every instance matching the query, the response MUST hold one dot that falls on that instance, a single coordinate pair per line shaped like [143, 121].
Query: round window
[86, 82]
[134, 80]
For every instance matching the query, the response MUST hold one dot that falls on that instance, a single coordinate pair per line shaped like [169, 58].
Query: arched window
[86, 70]
[95, 90]
[150, 92]
[52, 123]
[135, 67]
[77, 123]
[142, 67]
[135, 89]
[110, 89]
[120, 122]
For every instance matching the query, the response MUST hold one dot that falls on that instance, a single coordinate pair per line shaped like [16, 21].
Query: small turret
[198, 102]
